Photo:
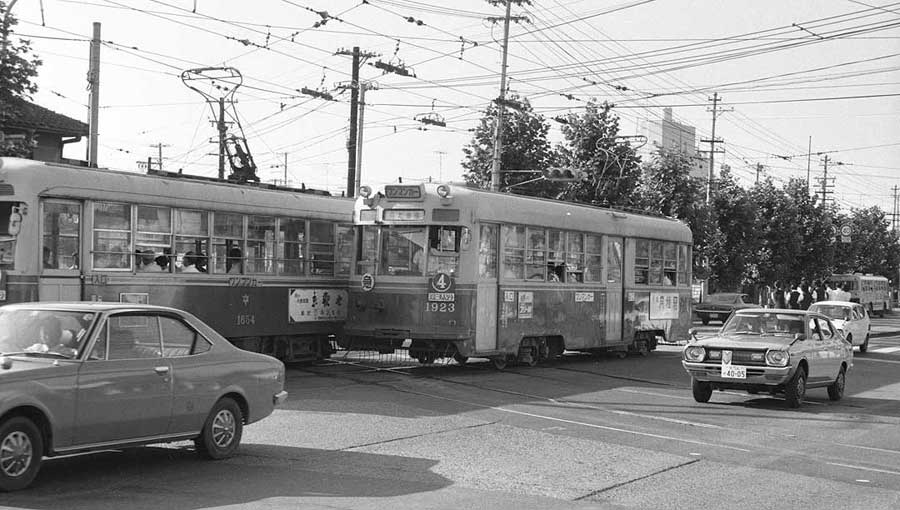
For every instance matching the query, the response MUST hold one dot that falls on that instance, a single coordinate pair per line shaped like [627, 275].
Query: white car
[851, 318]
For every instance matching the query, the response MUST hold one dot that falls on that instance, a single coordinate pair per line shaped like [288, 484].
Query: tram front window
[419, 251]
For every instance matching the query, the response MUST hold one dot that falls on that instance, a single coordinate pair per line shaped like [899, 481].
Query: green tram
[468, 273]
[267, 267]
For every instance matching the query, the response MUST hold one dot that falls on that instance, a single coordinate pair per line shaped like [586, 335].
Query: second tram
[466, 273]
[267, 268]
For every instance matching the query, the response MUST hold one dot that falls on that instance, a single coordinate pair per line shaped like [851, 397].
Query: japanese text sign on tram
[443, 286]
[403, 192]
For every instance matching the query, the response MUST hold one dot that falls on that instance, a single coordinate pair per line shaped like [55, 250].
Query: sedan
[851, 318]
[78, 377]
[719, 306]
[770, 350]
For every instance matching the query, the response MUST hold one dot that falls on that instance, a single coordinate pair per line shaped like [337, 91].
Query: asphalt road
[582, 432]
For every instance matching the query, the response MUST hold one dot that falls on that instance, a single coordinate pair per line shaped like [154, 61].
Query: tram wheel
[426, 358]
[621, 354]
[459, 358]
[499, 362]
[533, 359]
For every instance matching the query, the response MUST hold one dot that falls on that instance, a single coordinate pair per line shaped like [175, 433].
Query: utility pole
[94, 98]
[284, 166]
[895, 216]
[808, 165]
[440, 155]
[159, 160]
[352, 141]
[222, 128]
[498, 127]
[712, 144]
[759, 168]
[826, 184]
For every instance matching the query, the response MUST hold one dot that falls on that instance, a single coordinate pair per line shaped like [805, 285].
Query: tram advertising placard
[663, 305]
[308, 305]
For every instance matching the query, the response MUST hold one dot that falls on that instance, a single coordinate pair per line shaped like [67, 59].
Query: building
[51, 131]
[666, 133]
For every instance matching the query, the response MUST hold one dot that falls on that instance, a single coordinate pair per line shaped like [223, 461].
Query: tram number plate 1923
[730, 371]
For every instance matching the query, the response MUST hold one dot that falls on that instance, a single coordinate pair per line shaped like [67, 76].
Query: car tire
[865, 345]
[836, 389]
[21, 451]
[704, 320]
[702, 391]
[796, 389]
[222, 431]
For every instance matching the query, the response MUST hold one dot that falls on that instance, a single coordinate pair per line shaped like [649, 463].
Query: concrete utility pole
[159, 159]
[825, 180]
[284, 166]
[712, 145]
[223, 129]
[498, 128]
[895, 216]
[94, 98]
[808, 165]
[353, 141]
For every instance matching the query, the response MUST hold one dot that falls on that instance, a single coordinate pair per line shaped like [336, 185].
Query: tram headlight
[443, 191]
[694, 353]
[365, 191]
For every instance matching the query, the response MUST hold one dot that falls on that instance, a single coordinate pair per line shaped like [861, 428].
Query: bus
[873, 292]
[452, 272]
[267, 267]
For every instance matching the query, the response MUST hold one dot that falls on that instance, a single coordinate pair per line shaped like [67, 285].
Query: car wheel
[701, 390]
[796, 389]
[21, 451]
[704, 320]
[222, 431]
[865, 345]
[849, 339]
[836, 389]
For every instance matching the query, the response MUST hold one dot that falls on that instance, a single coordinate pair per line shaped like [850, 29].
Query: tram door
[60, 274]
[487, 288]
[615, 266]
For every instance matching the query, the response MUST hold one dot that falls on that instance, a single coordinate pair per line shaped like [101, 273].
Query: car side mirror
[799, 337]
[693, 334]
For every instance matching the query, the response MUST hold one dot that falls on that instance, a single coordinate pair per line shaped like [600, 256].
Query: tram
[449, 271]
[267, 267]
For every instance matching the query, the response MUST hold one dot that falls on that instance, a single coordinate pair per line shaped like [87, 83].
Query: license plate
[730, 371]
[713, 316]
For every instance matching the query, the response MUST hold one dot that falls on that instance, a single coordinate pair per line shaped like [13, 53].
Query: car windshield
[834, 311]
[763, 323]
[44, 333]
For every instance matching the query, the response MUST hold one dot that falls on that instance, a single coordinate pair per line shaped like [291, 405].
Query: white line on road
[886, 350]
[883, 450]
[857, 358]
[863, 468]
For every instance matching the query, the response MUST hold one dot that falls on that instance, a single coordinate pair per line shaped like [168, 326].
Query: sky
[797, 81]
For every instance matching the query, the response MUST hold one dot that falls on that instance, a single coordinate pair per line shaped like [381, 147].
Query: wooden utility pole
[498, 127]
[712, 145]
[94, 98]
[222, 128]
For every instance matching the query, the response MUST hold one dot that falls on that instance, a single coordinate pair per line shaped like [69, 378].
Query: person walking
[794, 294]
[806, 298]
[778, 295]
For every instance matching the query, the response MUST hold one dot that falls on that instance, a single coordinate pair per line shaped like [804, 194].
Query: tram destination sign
[403, 191]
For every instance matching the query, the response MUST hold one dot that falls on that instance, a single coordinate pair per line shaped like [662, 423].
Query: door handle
[161, 370]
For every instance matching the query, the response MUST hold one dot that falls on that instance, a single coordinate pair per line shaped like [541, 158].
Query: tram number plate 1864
[730, 371]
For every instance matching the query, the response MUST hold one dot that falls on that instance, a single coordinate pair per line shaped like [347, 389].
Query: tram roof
[520, 209]
[163, 188]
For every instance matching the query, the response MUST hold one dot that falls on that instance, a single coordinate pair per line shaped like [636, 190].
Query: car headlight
[777, 358]
[694, 353]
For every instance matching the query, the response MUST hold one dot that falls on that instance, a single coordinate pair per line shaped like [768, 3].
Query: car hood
[839, 323]
[35, 367]
[745, 342]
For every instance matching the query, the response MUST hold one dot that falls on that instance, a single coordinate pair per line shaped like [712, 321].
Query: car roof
[90, 306]
[781, 311]
[836, 303]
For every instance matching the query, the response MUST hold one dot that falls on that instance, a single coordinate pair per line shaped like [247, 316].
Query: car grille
[739, 357]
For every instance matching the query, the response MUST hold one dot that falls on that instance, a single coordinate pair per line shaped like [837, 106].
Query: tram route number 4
[443, 296]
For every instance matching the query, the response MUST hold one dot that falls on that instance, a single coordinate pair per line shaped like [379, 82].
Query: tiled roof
[18, 113]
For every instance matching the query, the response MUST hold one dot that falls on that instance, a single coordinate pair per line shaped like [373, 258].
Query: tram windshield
[406, 250]
[10, 222]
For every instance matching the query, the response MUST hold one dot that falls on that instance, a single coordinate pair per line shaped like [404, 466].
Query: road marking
[640, 415]
[883, 450]
[885, 350]
[857, 358]
[863, 468]
[653, 394]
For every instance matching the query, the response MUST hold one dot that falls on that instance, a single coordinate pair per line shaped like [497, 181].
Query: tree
[525, 147]
[613, 169]
[873, 247]
[17, 69]
[732, 243]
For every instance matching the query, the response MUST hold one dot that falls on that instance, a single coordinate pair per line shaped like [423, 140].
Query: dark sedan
[718, 307]
[78, 377]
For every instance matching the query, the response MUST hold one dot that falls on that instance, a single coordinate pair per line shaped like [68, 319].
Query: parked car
[851, 318]
[770, 350]
[717, 307]
[77, 377]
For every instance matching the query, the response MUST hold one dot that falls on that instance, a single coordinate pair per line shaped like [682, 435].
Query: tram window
[536, 254]
[112, 236]
[443, 252]
[684, 264]
[641, 261]
[260, 244]
[487, 251]
[575, 257]
[10, 223]
[154, 238]
[593, 269]
[192, 239]
[321, 248]
[228, 232]
[291, 246]
[62, 228]
[367, 249]
[656, 263]
[403, 251]
[614, 260]
[343, 250]
[513, 251]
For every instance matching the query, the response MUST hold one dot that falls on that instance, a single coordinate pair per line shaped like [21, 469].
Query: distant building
[674, 136]
[50, 130]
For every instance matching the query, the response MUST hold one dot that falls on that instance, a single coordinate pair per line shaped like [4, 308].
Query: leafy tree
[816, 256]
[732, 244]
[613, 169]
[525, 146]
[777, 226]
[17, 68]
[874, 247]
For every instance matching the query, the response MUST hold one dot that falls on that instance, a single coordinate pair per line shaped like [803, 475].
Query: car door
[125, 386]
[197, 375]
[816, 352]
[833, 347]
